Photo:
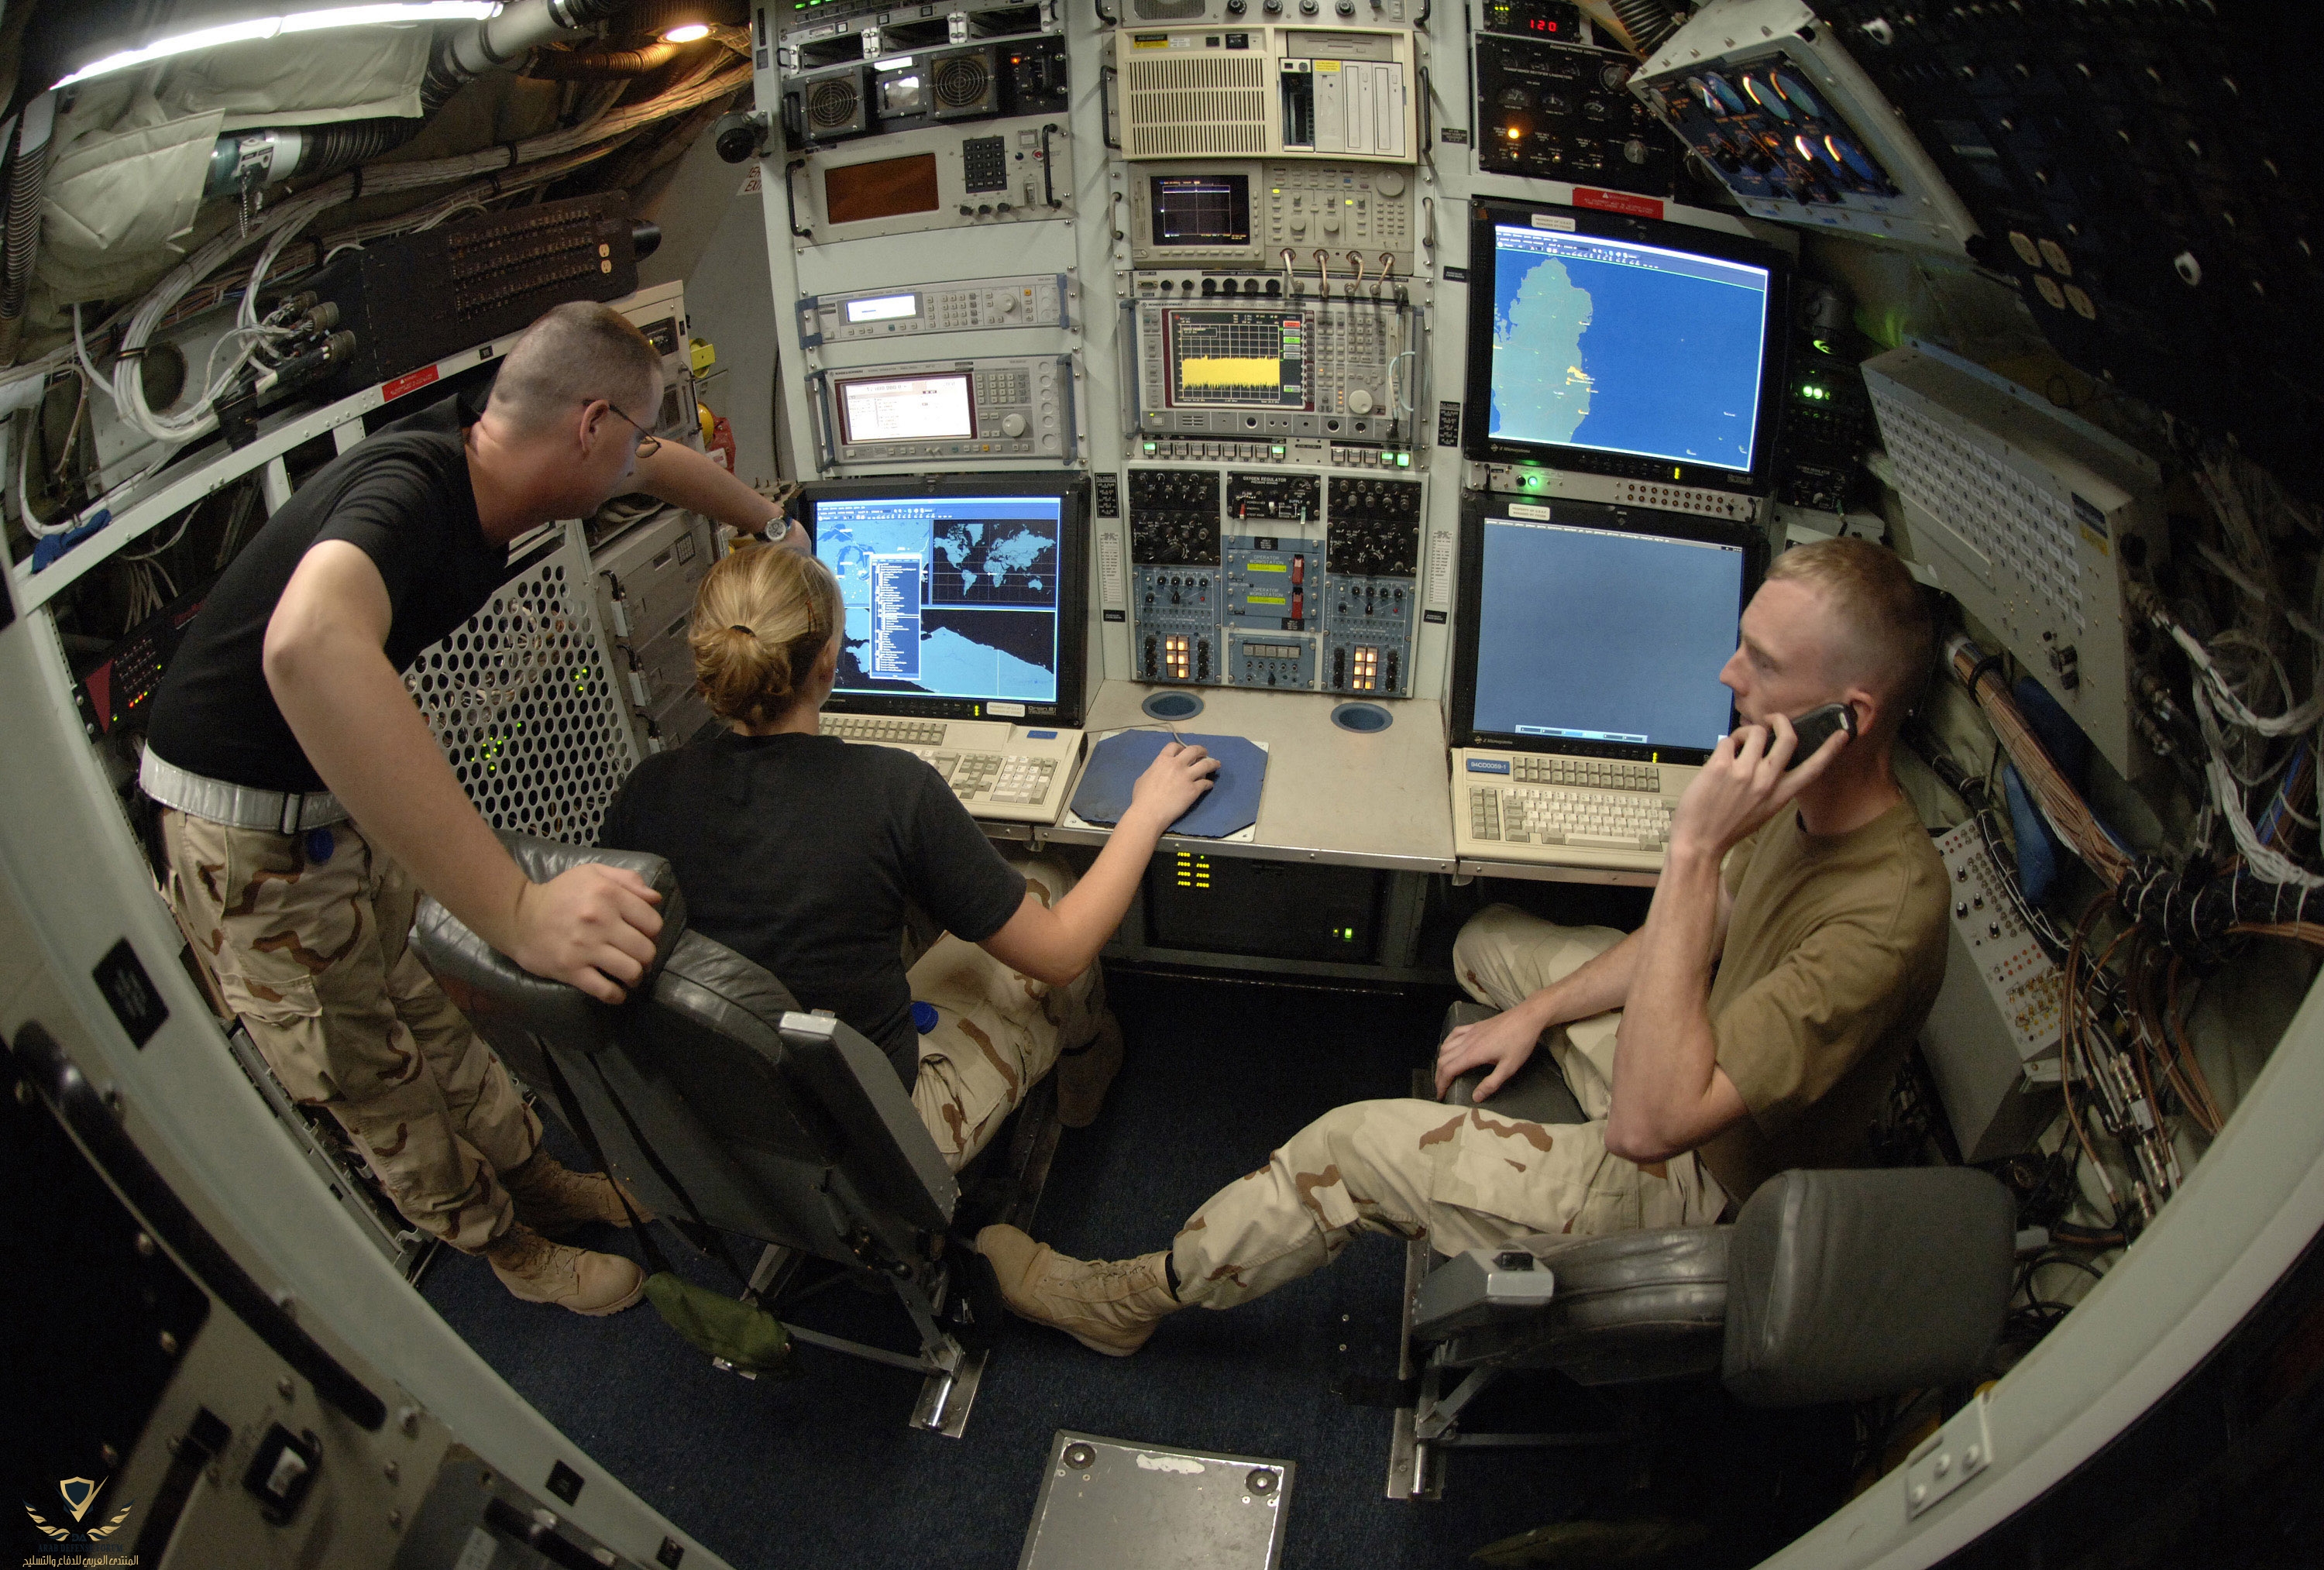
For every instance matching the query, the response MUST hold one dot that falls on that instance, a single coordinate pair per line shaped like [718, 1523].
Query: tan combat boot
[1108, 1305]
[1084, 1076]
[537, 1271]
[553, 1200]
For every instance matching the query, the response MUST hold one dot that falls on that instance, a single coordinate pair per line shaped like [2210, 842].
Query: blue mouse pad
[1227, 807]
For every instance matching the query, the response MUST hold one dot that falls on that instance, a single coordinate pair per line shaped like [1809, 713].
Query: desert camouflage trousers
[997, 1032]
[1459, 1177]
[307, 934]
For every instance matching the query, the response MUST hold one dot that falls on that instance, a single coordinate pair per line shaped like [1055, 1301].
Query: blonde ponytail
[761, 618]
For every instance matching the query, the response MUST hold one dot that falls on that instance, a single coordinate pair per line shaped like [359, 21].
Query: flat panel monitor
[906, 408]
[1583, 632]
[1209, 210]
[1609, 344]
[964, 598]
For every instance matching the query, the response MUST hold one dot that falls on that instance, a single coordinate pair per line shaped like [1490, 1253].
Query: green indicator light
[1404, 460]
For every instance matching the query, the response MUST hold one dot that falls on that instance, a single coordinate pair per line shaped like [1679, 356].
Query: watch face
[1716, 96]
[1852, 156]
[1789, 84]
[1766, 98]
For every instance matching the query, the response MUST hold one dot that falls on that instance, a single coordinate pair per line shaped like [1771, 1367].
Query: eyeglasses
[648, 443]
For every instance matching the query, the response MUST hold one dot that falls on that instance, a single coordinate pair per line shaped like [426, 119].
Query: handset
[1814, 728]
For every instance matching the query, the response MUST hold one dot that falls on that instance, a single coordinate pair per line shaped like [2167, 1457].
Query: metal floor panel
[1108, 1504]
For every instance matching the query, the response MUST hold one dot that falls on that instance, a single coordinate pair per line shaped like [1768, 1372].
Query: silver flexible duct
[28, 181]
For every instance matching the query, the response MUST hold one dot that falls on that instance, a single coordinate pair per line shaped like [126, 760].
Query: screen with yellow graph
[1238, 359]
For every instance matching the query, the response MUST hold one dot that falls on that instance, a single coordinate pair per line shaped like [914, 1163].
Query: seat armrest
[1484, 1286]
[543, 859]
[1849, 1285]
[486, 984]
[1536, 1093]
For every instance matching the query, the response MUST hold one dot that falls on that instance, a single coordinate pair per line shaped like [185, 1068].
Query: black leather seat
[720, 1102]
[1827, 1285]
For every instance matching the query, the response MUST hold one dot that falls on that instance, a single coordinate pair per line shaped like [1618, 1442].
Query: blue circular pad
[1172, 705]
[1363, 717]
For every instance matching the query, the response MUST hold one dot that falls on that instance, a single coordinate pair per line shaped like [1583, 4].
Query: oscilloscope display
[1237, 359]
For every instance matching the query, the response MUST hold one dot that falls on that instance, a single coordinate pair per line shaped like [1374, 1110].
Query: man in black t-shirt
[283, 724]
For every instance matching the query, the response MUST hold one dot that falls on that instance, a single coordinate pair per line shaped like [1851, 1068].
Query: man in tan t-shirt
[1826, 933]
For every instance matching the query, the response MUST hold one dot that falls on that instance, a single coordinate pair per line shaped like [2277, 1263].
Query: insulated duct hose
[500, 39]
[252, 160]
[246, 160]
[609, 65]
[28, 181]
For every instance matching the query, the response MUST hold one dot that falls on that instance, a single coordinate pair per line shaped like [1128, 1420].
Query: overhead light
[686, 32]
[264, 27]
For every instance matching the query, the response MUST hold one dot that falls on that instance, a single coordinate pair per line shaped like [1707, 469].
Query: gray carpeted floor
[823, 1473]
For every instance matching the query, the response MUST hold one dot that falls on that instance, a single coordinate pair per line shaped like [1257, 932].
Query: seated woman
[854, 875]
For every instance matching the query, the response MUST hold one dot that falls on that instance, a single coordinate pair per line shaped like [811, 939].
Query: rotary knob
[1360, 401]
[1332, 221]
[1388, 182]
[1012, 424]
[1346, 8]
[1307, 8]
[1008, 304]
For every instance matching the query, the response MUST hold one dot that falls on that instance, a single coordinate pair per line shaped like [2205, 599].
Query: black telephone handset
[1815, 728]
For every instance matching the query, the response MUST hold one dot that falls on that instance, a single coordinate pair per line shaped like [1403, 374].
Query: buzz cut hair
[1883, 614]
[579, 351]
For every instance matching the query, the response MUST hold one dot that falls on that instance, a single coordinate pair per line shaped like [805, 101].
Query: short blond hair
[573, 354]
[1886, 617]
[761, 618]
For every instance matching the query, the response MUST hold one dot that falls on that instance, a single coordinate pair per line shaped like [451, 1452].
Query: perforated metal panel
[522, 703]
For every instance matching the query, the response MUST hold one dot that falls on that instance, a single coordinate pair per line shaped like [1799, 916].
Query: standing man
[1828, 930]
[305, 804]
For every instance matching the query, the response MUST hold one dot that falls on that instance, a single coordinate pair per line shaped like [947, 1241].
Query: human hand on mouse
[1178, 777]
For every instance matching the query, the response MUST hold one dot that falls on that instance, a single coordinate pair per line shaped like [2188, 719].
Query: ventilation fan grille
[833, 105]
[1193, 108]
[961, 82]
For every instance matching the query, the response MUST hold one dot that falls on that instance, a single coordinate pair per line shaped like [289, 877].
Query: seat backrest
[709, 1091]
[1847, 1285]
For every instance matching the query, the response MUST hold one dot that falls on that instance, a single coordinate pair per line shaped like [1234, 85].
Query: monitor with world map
[1612, 345]
[964, 598]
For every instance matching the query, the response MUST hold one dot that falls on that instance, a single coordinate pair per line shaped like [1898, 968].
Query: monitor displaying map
[948, 597]
[1625, 348]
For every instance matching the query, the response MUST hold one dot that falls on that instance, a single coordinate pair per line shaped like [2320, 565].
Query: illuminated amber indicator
[1365, 678]
[1178, 657]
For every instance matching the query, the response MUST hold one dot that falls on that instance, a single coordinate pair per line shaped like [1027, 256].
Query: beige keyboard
[1013, 774]
[1562, 812]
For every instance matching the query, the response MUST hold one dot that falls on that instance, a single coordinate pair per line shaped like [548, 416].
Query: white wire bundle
[516, 167]
[2217, 703]
[283, 223]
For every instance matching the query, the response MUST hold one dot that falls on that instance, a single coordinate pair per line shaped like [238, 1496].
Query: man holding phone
[1753, 1024]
